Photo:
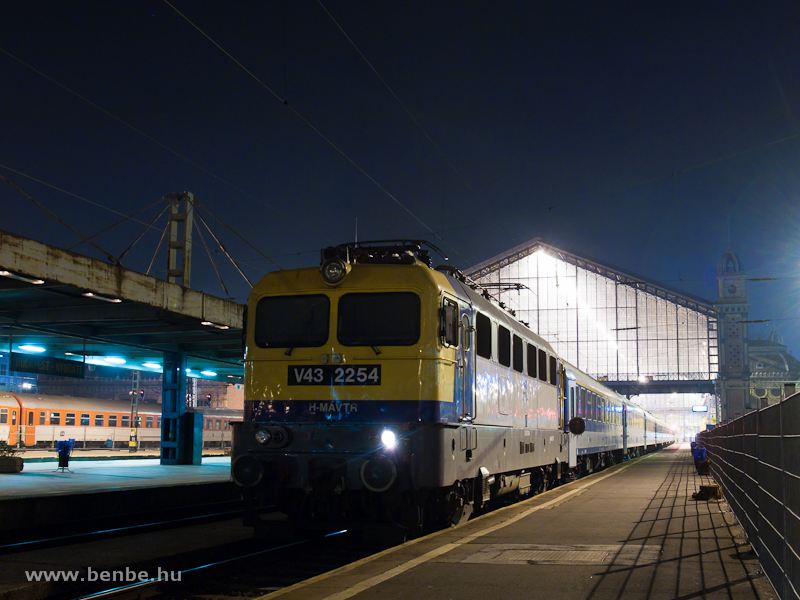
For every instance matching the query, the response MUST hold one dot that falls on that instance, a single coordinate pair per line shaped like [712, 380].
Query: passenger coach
[378, 389]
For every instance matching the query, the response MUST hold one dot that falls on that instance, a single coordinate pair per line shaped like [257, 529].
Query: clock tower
[732, 308]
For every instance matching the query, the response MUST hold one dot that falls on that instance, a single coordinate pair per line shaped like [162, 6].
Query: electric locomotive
[381, 390]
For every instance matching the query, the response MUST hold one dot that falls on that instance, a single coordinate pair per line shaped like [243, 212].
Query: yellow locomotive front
[344, 368]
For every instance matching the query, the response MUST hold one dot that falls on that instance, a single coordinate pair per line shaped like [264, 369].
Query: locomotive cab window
[380, 319]
[503, 346]
[449, 326]
[517, 354]
[553, 371]
[483, 332]
[292, 321]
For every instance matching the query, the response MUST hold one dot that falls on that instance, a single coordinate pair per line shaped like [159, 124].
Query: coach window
[148, 421]
[226, 424]
[542, 365]
[531, 360]
[218, 424]
[125, 421]
[84, 419]
[112, 420]
[572, 405]
[379, 319]
[483, 333]
[42, 418]
[591, 399]
[292, 321]
[208, 423]
[158, 423]
[503, 346]
[98, 420]
[13, 417]
[518, 354]
[55, 418]
[553, 370]
[3, 416]
[581, 401]
[449, 325]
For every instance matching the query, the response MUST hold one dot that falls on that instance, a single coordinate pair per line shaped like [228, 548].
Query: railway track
[245, 570]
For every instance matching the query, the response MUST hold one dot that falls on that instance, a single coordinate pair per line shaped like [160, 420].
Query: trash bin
[110, 443]
[64, 448]
[699, 454]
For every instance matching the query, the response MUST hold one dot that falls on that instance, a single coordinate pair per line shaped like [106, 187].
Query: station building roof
[82, 309]
[616, 325]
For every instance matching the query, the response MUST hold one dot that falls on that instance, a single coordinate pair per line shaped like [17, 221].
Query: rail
[755, 460]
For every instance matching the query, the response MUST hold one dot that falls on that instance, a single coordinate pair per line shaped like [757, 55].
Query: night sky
[648, 135]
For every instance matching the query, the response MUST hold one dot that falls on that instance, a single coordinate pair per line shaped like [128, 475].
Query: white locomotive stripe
[398, 570]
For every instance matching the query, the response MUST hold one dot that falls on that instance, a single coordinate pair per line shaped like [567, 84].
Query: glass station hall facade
[642, 338]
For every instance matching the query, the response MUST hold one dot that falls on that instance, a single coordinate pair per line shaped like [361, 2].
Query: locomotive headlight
[263, 436]
[389, 439]
[333, 271]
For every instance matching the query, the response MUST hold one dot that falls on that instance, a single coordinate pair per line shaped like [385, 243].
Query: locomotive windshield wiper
[375, 350]
[300, 335]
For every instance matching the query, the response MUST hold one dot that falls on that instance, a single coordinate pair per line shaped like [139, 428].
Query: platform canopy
[638, 336]
[80, 309]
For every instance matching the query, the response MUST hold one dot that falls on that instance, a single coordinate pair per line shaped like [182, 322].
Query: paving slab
[632, 531]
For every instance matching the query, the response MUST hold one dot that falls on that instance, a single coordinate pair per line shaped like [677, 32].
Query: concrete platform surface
[43, 479]
[632, 531]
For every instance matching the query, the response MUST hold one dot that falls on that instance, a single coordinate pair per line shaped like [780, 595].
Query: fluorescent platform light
[32, 280]
[31, 348]
[103, 298]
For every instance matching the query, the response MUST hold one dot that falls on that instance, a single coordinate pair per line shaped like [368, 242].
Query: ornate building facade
[732, 307]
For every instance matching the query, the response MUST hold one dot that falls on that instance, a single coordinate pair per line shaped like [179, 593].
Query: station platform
[632, 531]
[92, 476]
[94, 493]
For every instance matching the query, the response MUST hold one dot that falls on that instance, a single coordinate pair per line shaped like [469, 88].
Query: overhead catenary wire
[157, 142]
[124, 252]
[91, 237]
[222, 247]
[402, 104]
[211, 258]
[327, 140]
[109, 256]
[623, 188]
